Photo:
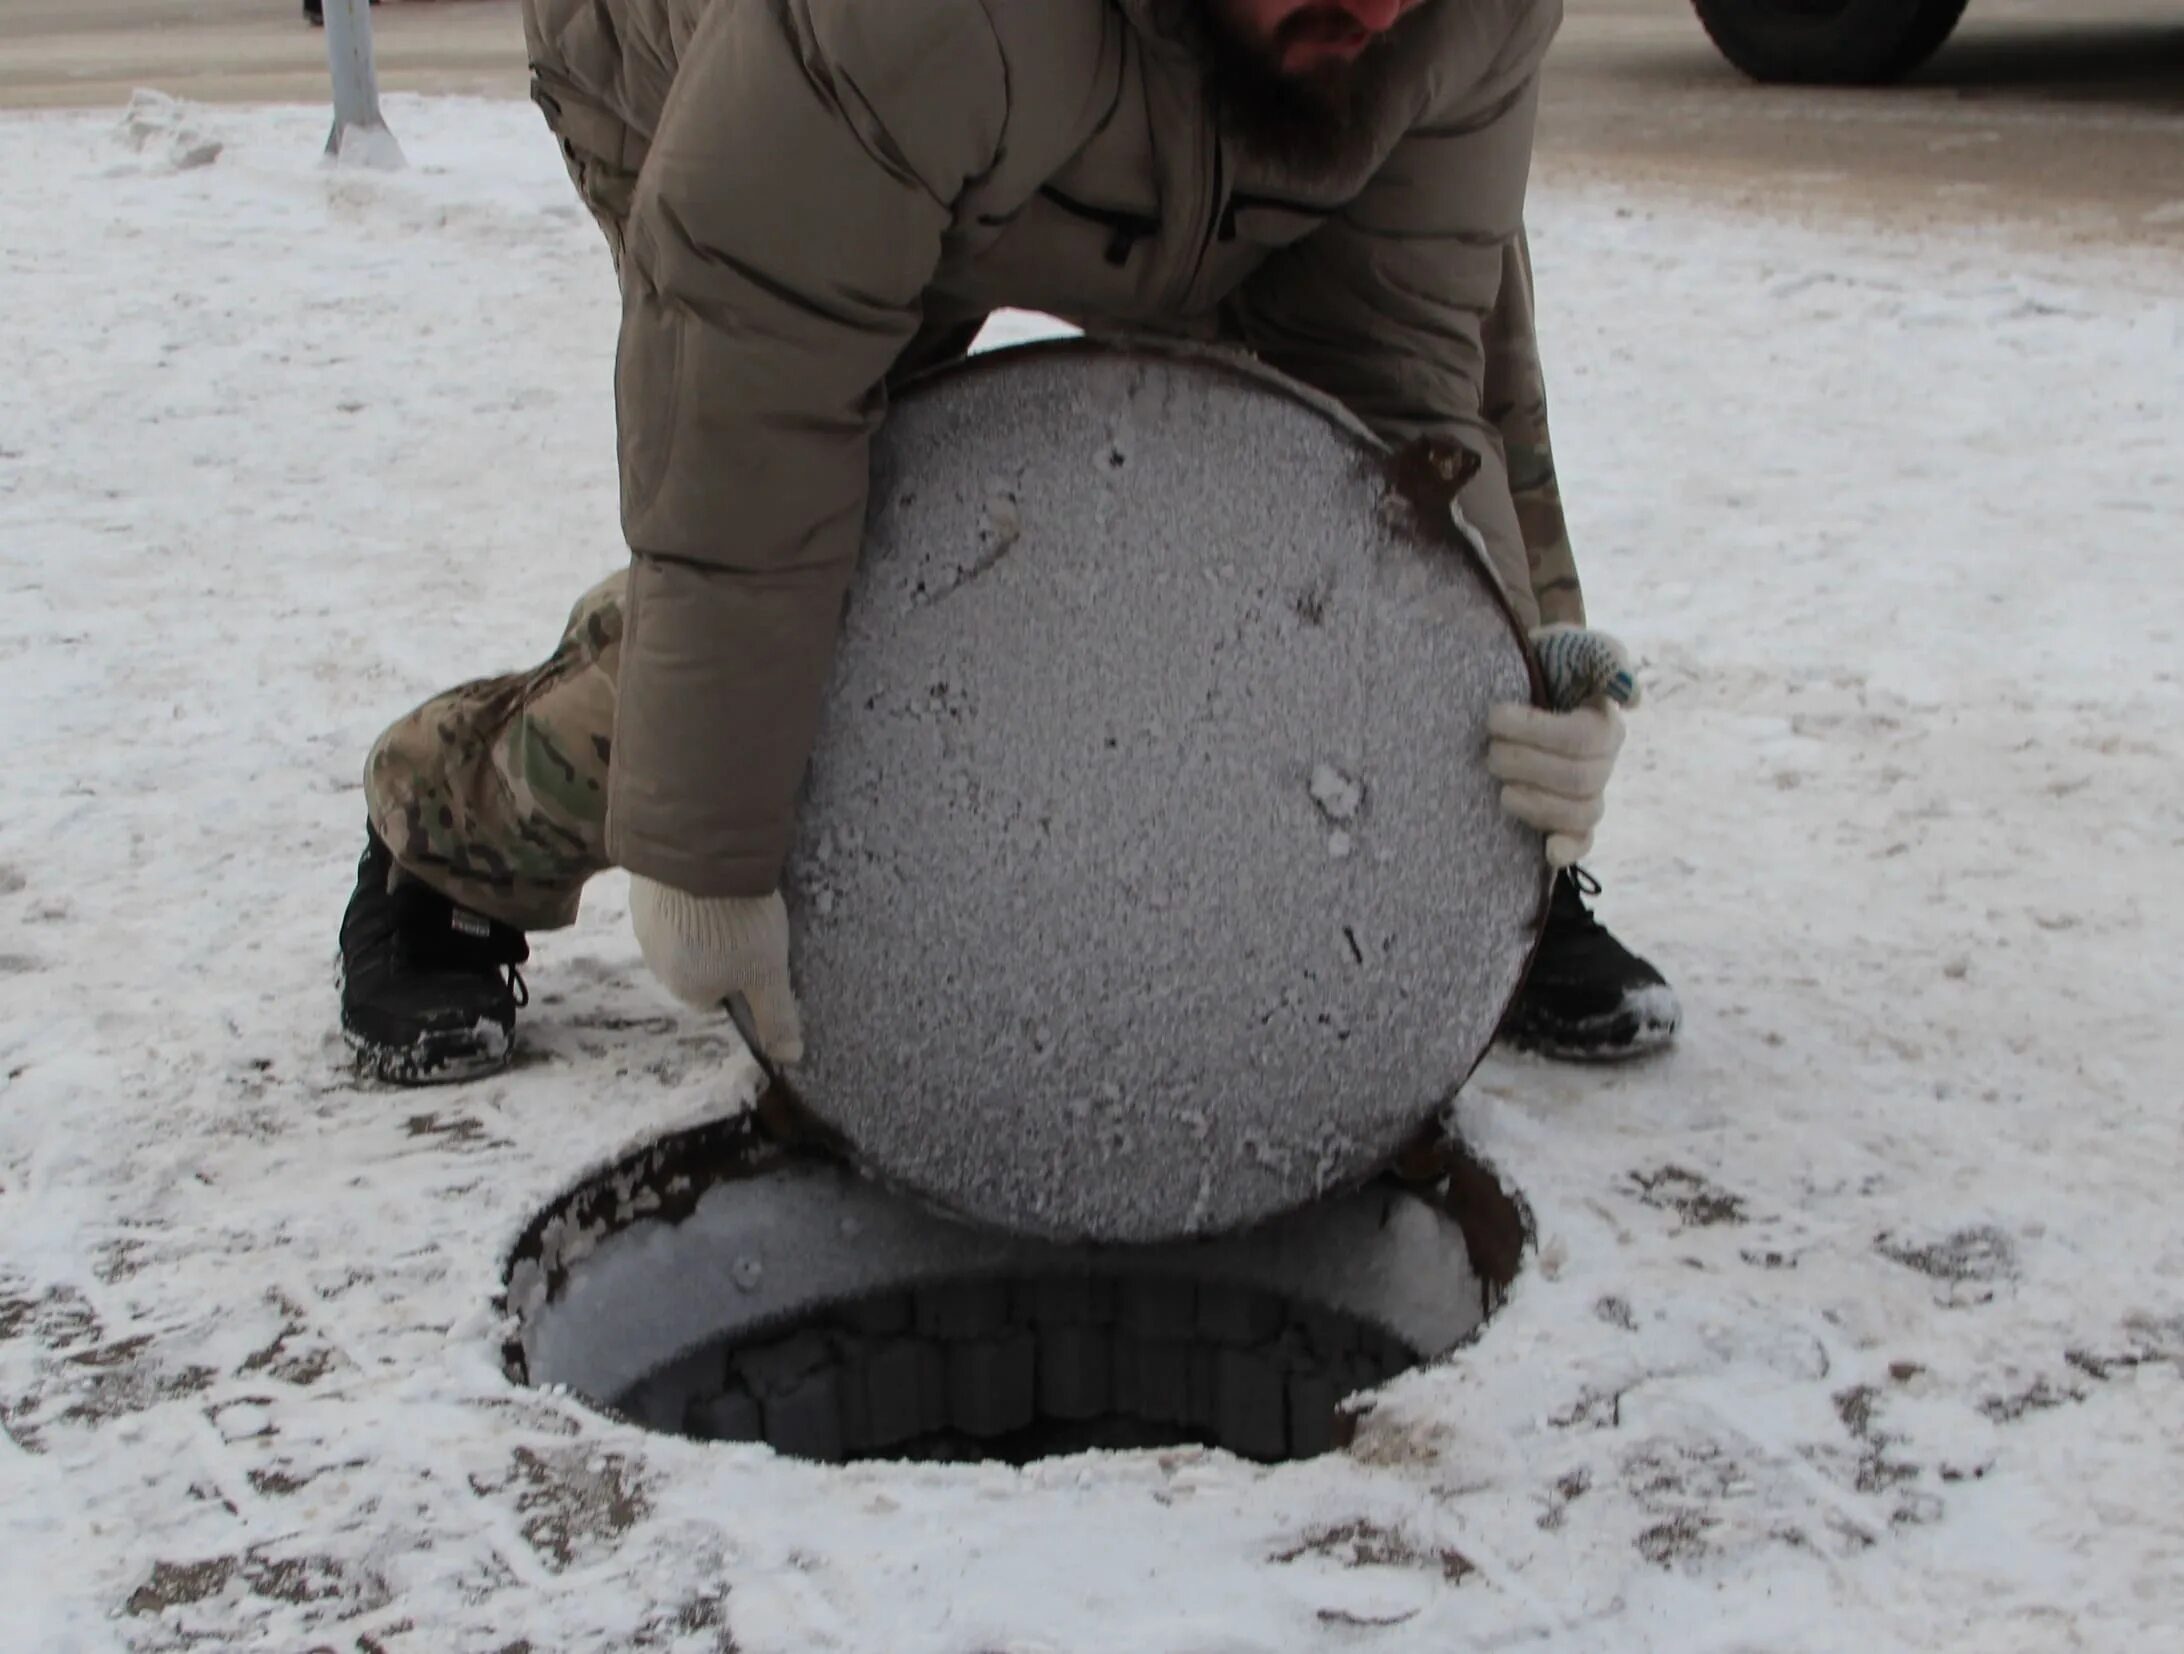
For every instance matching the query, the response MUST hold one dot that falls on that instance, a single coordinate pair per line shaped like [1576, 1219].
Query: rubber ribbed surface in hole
[1016, 1370]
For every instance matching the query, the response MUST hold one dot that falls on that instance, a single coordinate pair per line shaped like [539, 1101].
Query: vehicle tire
[1829, 42]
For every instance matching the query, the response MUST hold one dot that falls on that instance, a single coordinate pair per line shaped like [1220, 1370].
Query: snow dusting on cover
[1856, 1324]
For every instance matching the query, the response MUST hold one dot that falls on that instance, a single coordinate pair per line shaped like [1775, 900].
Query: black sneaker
[1589, 998]
[429, 989]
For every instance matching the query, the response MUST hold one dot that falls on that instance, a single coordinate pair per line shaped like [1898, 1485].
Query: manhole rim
[665, 1181]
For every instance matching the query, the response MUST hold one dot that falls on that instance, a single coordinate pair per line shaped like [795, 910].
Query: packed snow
[1856, 1323]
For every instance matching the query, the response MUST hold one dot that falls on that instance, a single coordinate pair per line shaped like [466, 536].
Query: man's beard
[1321, 124]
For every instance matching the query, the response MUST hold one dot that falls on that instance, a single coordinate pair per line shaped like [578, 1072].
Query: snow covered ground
[1856, 1324]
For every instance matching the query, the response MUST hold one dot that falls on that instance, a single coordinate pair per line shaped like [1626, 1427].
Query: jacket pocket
[1270, 220]
[1124, 226]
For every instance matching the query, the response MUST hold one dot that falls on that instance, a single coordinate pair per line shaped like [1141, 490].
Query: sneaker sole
[1640, 1029]
[444, 1059]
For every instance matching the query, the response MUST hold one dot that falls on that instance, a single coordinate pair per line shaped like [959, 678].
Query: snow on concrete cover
[1150, 879]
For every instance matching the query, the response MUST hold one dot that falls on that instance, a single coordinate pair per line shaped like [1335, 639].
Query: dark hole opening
[1013, 1369]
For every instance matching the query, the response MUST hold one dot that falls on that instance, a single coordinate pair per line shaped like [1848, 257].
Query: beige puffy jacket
[831, 191]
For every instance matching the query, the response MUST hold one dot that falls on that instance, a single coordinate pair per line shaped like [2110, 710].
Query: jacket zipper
[1126, 229]
[1219, 214]
[1214, 199]
[1245, 201]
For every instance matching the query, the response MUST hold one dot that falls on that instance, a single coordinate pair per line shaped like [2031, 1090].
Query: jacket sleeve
[787, 219]
[1383, 307]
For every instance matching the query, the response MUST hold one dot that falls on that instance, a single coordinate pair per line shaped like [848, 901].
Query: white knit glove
[1554, 765]
[706, 948]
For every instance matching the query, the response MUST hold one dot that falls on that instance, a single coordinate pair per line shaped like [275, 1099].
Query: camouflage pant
[495, 792]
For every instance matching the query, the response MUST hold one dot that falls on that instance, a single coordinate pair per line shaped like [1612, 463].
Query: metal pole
[360, 132]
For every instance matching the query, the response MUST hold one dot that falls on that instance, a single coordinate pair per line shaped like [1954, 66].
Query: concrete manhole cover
[723, 1286]
[1150, 881]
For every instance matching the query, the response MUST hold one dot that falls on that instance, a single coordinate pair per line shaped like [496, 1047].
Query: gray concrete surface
[2058, 119]
[2054, 117]
[60, 54]
[1267, 1386]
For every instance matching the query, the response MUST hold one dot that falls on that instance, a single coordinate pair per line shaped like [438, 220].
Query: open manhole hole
[732, 1285]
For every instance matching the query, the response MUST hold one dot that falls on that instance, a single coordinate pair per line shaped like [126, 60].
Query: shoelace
[1582, 885]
